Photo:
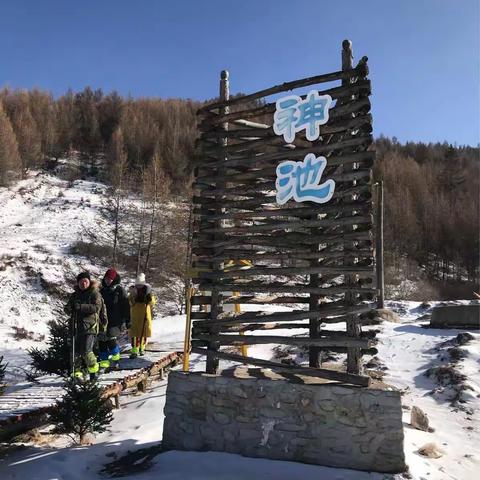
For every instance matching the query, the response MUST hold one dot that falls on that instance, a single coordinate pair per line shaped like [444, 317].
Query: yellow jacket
[141, 315]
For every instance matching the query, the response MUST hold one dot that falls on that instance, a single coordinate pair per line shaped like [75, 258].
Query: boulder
[456, 316]
[375, 317]
[419, 419]
[431, 450]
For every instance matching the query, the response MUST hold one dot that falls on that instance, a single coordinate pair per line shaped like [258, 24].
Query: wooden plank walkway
[27, 403]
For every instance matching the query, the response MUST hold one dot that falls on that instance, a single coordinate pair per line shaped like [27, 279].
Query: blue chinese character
[300, 181]
[313, 113]
[285, 117]
[293, 114]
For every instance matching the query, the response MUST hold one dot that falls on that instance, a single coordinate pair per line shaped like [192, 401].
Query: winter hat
[84, 275]
[140, 279]
[111, 274]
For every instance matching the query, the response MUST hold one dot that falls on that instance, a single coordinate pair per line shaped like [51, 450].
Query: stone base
[260, 415]
[456, 316]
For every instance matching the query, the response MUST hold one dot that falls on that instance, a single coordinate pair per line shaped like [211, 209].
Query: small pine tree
[56, 358]
[3, 369]
[82, 411]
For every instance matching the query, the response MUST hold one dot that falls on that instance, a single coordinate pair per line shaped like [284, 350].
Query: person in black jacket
[118, 312]
[87, 311]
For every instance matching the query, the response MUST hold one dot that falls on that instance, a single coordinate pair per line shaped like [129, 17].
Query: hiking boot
[93, 376]
[142, 353]
[104, 364]
[133, 355]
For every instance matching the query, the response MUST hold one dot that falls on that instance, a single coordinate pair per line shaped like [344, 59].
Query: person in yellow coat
[141, 301]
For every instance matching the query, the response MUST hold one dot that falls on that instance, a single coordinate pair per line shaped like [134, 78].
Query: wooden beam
[304, 82]
[277, 287]
[323, 311]
[333, 375]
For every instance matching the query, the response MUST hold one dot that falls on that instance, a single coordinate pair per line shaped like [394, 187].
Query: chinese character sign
[293, 114]
[301, 181]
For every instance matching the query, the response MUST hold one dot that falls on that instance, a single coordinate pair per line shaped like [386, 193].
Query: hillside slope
[41, 217]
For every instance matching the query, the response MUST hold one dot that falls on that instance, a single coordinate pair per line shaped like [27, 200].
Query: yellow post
[244, 349]
[188, 331]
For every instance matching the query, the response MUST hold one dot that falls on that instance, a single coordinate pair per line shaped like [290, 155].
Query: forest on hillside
[147, 145]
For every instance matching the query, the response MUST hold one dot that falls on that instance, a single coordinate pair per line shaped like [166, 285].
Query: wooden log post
[142, 385]
[379, 246]
[216, 307]
[314, 352]
[353, 325]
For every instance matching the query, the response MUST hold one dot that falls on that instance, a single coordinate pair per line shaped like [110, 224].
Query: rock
[388, 315]
[430, 450]
[221, 418]
[419, 419]
[463, 338]
[375, 317]
[456, 353]
[327, 405]
[376, 364]
[446, 375]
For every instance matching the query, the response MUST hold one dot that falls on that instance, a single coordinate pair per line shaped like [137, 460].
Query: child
[141, 301]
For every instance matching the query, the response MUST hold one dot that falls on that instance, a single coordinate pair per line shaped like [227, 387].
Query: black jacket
[116, 301]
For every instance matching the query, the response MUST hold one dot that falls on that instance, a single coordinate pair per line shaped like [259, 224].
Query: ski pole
[74, 331]
[143, 328]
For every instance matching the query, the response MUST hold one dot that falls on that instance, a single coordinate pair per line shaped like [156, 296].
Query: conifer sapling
[56, 358]
[82, 411]
[3, 369]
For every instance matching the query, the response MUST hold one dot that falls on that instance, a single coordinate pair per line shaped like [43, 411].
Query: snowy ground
[407, 350]
[37, 226]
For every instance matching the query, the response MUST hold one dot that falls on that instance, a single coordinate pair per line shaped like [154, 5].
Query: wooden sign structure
[267, 233]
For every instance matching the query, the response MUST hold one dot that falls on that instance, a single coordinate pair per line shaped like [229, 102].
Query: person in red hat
[118, 313]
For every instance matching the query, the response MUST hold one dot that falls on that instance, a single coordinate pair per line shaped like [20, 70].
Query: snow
[408, 350]
[140, 426]
[43, 215]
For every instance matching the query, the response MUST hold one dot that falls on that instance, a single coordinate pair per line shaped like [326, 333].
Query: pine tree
[26, 131]
[3, 369]
[65, 124]
[9, 156]
[56, 358]
[82, 411]
[88, 137]
[42, 106]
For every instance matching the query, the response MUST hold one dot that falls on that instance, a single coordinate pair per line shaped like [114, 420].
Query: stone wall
[452, 316]
[261, 416]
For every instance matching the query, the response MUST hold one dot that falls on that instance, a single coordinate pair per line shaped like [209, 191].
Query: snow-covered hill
[41, 217]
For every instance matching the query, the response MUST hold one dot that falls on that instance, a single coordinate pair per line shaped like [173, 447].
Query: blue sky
[423, 54]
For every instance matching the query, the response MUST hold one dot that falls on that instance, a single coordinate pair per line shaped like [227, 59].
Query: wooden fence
[249, 250]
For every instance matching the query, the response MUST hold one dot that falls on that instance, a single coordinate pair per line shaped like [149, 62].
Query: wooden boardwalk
[26, 405]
